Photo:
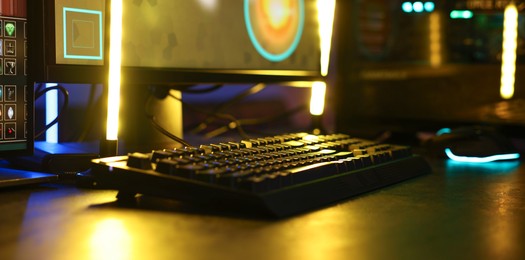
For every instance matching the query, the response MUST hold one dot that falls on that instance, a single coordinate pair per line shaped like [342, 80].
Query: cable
[40, 93]
[234, 123]
[166, 132]
[236, 99]
[161, 129]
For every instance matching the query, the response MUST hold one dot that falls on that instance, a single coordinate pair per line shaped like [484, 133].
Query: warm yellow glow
[326, 10]
[317, 98]
[115, 47]
[278, 12]
[110, 240]
[508, 58]
[435, 39]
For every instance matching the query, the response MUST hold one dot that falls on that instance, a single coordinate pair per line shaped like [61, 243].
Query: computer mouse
[476, 144]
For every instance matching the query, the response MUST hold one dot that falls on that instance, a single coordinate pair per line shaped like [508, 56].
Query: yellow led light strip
[508, 58]
[115, 47]
[325, 9]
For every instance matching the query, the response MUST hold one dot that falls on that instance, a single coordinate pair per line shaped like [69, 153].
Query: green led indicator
[10, 29]
[461, 14]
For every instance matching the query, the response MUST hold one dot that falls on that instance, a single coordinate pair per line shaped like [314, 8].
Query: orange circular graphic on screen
[274, 26]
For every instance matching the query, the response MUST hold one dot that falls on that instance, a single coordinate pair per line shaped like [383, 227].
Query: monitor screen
[429, 64]
[220, 41]
[16, 96]
[73, 36]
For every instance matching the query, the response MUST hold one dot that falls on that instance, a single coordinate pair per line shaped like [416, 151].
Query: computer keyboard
[280, 175]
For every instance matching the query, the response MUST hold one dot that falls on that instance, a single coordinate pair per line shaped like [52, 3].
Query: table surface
[458, 211]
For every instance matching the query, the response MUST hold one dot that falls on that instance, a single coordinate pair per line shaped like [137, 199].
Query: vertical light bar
[508, 58]
[114, 70]
[325, 9]
[51, 113]
[317, 98]
[435, 39]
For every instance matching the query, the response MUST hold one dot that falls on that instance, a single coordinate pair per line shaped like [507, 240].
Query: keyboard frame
[112, 173]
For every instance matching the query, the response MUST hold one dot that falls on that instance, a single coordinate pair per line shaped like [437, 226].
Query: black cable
[236, 99]
[167, 133]
[161, 129]
[64, 105]
[230, 118]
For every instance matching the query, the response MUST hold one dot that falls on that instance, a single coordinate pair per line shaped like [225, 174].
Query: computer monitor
[72, 41]
[181, 41]
[424, 65]
[16, 93]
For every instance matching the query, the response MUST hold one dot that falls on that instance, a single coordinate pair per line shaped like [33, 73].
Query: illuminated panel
[510, 43]
[275, 26]
[16, 96]
[79, 32]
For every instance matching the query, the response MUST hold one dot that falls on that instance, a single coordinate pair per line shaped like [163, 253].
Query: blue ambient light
[429, 6]
[407, 7]
[51, 113]
[492, 158]
[418, 7]
[461, 14]
[443, 131]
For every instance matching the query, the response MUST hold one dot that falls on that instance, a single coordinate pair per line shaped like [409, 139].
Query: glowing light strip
[51, 113]
[492, 158]
[444, 131]
[260, 49]
[435, 39]
[461, 14]
[317, 98]
[115, 47]
[508, 58]
[85, 57]
[326, 9]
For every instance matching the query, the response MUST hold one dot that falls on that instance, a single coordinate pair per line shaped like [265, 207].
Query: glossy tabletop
[459, 211]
